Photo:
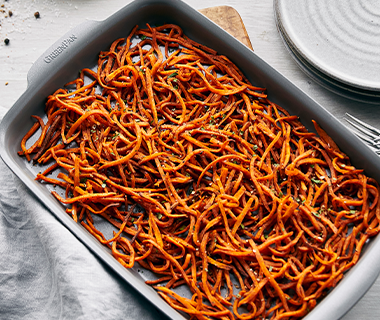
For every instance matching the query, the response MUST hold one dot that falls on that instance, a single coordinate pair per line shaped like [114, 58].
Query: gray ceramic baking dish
[79, 48]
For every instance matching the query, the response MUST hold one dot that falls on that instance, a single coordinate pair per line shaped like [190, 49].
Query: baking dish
[79, 48]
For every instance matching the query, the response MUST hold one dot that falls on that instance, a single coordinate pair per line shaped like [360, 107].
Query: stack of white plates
[337, 43]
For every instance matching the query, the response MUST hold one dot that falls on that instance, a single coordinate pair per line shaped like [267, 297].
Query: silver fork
[368, 133]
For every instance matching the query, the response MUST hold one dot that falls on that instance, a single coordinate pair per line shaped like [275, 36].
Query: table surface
[30, 37]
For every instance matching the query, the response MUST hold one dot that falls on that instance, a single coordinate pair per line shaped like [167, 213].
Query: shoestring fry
[209, 184]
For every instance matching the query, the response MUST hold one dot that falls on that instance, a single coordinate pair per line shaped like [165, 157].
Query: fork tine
[361, 129]
[368, 140]
[371, 134]
[365, 125]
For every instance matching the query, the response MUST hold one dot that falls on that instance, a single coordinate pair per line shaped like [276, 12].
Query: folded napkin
[47, 273]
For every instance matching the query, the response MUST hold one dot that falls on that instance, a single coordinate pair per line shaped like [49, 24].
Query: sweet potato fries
[208, 183]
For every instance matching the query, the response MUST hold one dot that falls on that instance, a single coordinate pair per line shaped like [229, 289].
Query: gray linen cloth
[47, 273]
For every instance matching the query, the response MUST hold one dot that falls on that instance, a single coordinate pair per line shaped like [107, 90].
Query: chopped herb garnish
[316, 180]
[174, 74]
[255, 147]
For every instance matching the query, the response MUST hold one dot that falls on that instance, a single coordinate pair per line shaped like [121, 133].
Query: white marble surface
[30, 37]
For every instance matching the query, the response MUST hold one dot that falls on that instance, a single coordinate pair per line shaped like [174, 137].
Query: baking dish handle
[64, 48]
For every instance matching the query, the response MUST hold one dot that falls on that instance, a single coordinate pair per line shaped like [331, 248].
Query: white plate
[338, 41]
